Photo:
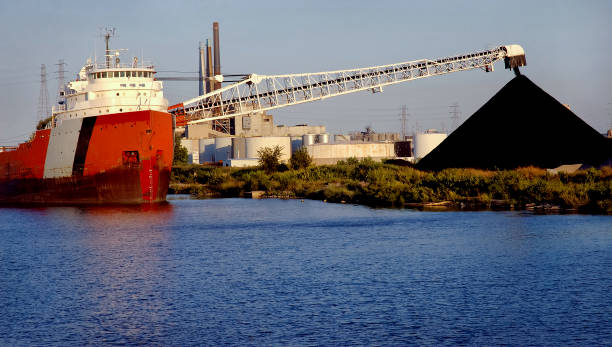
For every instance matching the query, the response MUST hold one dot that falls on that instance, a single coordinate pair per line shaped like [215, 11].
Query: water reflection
[271, 272]
[108, 267]
[127, 249]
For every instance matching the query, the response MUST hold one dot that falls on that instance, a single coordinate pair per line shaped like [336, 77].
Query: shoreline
[444, 206]
[379, 185]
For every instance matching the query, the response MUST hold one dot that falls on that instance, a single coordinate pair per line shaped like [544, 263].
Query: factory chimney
[202, 84]
[217, 61]
[209, 67]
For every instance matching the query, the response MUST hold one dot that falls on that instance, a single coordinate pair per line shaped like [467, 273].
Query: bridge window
[98, 75]
[139, 73]
[123, 85]
[122, 73]
[104, 75]
[116, 74]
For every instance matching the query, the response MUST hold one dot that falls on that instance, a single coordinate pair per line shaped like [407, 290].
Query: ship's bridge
[109, 88]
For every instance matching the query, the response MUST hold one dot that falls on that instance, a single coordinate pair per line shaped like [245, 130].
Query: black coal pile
[521, 125]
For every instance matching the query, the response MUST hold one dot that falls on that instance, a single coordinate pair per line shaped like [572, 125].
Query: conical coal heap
[521, 125]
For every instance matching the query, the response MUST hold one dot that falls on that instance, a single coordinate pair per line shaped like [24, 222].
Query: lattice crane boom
[258, 93]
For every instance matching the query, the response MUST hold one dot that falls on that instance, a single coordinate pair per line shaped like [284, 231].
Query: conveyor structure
[257, 93]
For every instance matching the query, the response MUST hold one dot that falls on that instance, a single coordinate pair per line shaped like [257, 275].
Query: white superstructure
[111, 87]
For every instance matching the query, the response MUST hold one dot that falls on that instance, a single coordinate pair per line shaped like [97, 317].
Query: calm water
[273, 272]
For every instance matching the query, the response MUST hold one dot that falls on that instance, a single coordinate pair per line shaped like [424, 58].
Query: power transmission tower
[455, 115]
[404, 116]
[60, 78]
[43, 97]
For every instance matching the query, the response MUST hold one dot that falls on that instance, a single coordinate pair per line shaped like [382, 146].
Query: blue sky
[567, 45]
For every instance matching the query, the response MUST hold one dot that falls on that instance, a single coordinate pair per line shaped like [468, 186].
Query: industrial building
[242, 151]
[229, 124]
[236, 141]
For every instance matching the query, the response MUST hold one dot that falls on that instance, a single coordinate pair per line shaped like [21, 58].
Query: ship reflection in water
[96, 269]
[124, 264]
[273, 272]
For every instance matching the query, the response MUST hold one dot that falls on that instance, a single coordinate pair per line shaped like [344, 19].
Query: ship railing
[138, 65]
[59, 108]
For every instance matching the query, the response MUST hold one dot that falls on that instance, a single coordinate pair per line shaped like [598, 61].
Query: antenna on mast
[108, 33]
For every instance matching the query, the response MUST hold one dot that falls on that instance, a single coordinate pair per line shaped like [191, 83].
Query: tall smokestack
[209, 67]
[202, 70]
[217, 62]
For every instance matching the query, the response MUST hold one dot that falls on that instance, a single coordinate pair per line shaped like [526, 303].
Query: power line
[404, 115]
[14, 137]
[455, 115]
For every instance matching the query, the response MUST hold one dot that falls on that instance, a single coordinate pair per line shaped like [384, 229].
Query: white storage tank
[223, 148]
[239, 148]
[308, 139]
[254, 144]
[426, 142]
[323, 138]
[207, 150]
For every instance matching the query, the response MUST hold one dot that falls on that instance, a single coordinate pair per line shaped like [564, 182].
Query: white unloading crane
[258, 93]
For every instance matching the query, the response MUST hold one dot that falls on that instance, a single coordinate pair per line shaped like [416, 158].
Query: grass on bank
[378, 184]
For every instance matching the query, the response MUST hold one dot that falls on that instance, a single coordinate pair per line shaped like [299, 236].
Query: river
[292, 272]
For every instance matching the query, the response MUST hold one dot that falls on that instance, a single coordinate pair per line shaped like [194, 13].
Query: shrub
[300, 159]
[269, 158]
[180, 152]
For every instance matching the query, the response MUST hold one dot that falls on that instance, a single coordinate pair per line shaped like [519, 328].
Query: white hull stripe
[62, 147]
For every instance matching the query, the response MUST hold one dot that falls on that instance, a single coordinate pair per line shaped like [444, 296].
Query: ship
[109, 140]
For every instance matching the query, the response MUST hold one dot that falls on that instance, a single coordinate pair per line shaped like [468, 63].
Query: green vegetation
[180, 152]
[379, 184]
[300, 159]
[269, 158]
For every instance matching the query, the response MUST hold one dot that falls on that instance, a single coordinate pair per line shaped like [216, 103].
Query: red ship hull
[122, 158]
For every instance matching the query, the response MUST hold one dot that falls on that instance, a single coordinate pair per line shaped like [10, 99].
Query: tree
[300, 159]
[269, 158]
[180, 152]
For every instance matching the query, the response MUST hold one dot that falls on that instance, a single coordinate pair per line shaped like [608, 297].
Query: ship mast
[107, 35]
